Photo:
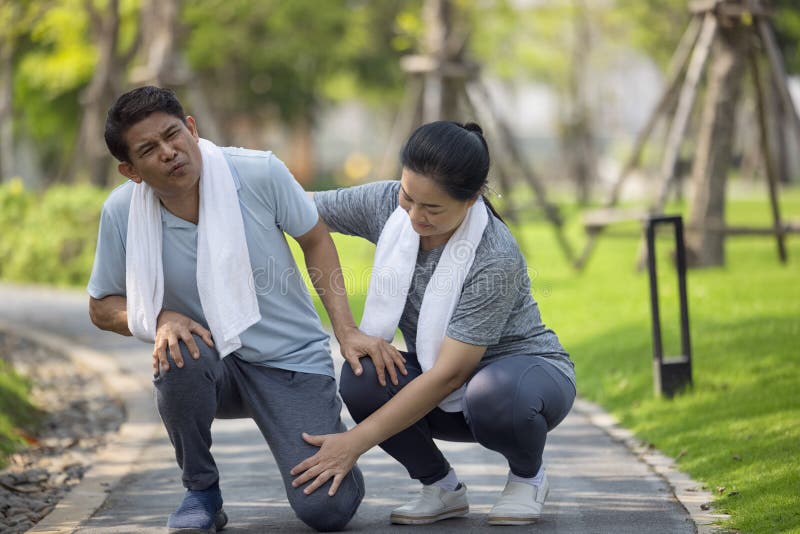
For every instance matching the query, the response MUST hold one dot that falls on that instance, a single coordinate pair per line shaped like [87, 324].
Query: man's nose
[167, 151]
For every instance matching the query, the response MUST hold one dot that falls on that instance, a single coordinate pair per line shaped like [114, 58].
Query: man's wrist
[342, 332]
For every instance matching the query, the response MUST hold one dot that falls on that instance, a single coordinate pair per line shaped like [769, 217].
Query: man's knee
[208, 359]
[326, 514]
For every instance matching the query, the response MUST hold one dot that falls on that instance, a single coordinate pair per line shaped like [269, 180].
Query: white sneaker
[520, 503]
[433, 504]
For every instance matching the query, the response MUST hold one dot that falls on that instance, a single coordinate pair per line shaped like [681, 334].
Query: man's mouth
[177, 168]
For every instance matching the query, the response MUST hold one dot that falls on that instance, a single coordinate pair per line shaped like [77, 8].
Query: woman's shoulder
[498, 245]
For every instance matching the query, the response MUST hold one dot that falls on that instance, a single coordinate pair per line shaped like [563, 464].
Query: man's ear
[126, 169]
[191, 124]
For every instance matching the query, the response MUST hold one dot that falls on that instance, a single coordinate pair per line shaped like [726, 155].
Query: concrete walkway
[597, 484]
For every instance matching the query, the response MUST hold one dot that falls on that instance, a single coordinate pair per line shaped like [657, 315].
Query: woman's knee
[361, 390]
[504, 401]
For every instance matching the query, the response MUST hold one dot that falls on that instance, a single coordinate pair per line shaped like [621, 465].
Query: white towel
[224, 275]
[393, 270]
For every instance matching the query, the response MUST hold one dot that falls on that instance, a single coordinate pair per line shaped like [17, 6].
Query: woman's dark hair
[135, 106]
[453, 155]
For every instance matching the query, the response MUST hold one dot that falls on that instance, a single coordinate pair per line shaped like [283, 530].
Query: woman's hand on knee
[355, 345]
[336, 457]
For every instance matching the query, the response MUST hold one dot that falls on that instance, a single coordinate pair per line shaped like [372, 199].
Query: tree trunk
[158, 22]
[92, 155]
[301, 150]
[577, 134]
[445, 41]
[714, 148]
[8, 167]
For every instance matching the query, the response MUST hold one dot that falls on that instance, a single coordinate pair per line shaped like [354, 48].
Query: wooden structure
[443, 85]
[677, 101]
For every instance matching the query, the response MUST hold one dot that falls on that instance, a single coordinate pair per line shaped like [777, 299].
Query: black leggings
[508, 407]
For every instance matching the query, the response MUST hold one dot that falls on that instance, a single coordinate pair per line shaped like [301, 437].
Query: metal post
[671, 374]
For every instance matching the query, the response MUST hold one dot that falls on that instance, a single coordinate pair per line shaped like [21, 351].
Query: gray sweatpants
[282, 403]
[509, 406]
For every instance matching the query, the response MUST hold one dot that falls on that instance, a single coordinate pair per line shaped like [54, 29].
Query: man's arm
[111, 313]
[322, 263]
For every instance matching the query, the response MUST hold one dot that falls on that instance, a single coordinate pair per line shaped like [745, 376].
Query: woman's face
[432, 211]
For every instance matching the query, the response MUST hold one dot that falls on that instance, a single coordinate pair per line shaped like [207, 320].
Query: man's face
[164, 153]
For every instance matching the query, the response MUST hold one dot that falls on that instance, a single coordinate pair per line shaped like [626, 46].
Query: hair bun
[473, 127]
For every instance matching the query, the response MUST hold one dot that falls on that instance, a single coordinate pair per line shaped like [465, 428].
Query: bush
[49, 238]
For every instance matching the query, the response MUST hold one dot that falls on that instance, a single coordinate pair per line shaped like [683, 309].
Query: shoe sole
[220, 520]
[499, 520]
[400, 519]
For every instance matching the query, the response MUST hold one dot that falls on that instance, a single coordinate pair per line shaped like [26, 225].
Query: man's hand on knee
[172, 328]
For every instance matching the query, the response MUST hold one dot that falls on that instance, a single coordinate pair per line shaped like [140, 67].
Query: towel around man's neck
[393, 270]
[224, 275]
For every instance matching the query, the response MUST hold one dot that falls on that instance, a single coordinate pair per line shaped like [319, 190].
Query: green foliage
[16, 411]
[787, 32]
[49, 238]
[55, 58]
[289, 57]
[654, 27]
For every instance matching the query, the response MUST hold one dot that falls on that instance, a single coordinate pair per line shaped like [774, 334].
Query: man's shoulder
[119, 200]
[247, 163]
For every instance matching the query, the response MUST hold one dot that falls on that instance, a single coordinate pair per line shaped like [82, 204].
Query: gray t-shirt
[496, 309]
[289, 335]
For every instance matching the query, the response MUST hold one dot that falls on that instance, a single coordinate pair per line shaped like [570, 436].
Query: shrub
[49, 238]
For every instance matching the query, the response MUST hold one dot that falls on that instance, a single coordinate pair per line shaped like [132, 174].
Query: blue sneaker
[200, 513]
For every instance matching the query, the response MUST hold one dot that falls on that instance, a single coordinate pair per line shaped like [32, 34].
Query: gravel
[79, 415]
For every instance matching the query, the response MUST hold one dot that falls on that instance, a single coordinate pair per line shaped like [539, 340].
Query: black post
[671, 374]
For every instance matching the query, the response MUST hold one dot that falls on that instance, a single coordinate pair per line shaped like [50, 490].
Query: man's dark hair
[135, 106]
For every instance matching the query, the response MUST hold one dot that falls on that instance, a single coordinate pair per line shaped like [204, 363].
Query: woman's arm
[339, 452]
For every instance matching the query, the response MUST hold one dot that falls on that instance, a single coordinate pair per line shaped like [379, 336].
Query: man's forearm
[110, 313]
[325, 272]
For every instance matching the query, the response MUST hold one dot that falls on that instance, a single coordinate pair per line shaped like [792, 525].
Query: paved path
[597, 484]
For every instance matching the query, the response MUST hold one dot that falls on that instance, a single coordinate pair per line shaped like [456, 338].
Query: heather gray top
[496, 308]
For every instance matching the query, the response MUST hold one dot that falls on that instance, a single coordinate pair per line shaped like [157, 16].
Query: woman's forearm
[408, 406]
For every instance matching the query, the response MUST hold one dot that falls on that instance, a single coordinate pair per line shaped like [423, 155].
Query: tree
[15, 20]
[553, 42]
[107, 80]
[284, 58]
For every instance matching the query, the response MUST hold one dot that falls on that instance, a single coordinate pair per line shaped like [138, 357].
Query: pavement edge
[122, 451]
[688, 492]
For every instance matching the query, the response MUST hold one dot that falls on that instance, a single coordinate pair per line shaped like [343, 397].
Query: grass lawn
[738, 430]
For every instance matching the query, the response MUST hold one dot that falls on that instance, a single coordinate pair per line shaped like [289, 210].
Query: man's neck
[185, 207]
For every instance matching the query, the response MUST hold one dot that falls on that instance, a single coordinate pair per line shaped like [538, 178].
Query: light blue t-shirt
[289, 335]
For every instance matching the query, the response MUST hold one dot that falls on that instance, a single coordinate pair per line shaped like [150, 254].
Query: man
[191, 256]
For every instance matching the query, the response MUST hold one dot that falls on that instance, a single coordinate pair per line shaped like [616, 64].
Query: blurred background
[334, 87]
[597, 113]
[321, 83]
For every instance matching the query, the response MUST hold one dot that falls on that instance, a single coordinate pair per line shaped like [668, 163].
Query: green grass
[16, 412]
[739, 427]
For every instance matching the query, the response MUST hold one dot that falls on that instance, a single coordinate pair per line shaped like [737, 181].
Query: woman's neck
[431, 242]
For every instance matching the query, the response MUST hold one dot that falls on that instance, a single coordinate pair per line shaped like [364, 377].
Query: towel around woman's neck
[224, 275]
[392, 273]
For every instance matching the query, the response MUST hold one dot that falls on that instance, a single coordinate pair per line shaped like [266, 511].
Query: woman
[481, 366]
